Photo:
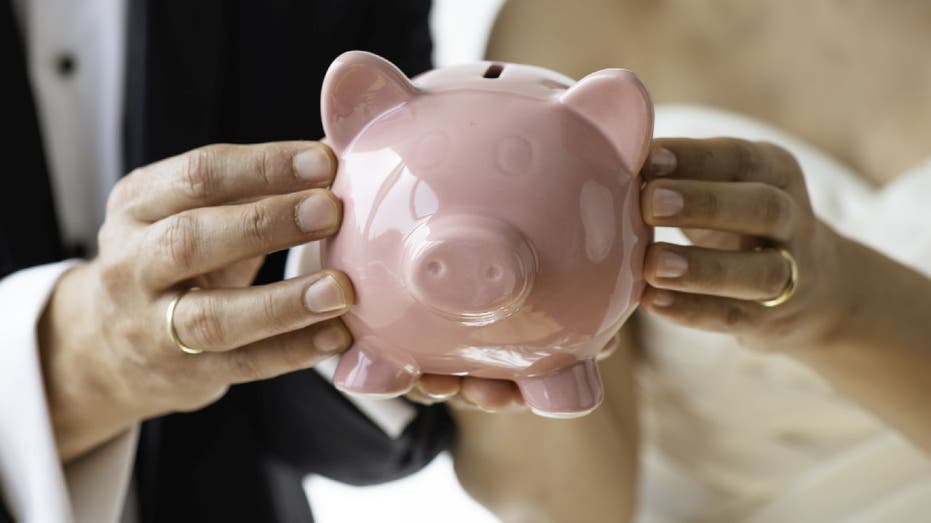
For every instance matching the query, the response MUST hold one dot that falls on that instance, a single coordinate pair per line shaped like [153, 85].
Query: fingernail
[325, 295]
[670, 264]
[666, 203]
[330, 339]
[313, 165]
[437, 396]
[662, 161]
[316, 213]
[663, 298]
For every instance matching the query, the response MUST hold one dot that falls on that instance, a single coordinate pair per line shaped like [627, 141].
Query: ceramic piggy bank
[491, 223]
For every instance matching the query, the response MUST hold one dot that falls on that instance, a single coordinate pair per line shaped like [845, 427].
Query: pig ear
[358, 88]
[618, 105]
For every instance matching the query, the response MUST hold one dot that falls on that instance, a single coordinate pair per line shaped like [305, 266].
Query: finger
[610, 348]
[202, 240]
[490, 395]
[224, 319]
[281, 354]
[712, 313]
[222, 173]
[439, 387]
[755, 209]
[721, 160]
[755, 275]
[238, 274]
[418, 396]
[460, 403]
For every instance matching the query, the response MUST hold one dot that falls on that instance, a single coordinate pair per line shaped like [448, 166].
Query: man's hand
[202, 219]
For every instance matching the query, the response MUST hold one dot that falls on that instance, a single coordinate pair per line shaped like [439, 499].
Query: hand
[471, 393]
[739, 202]
[526, 468]
[206, 219]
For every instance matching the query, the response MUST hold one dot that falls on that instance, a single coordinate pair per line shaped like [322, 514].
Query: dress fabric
[736, 436]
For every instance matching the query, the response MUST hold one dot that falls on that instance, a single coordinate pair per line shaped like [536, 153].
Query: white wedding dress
[734, 436]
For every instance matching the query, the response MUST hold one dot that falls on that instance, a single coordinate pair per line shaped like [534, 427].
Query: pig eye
[430, 150]
[514, 155]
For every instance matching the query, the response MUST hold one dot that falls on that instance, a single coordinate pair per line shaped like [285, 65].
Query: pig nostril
[469, 269]
[435, 268]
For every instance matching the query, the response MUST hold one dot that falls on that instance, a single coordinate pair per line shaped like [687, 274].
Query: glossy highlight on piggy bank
[491, 223]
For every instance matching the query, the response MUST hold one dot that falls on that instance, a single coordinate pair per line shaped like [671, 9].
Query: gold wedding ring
[170, 324]
[791, 285]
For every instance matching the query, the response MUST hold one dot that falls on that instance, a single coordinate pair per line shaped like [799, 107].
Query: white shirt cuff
[33, 482]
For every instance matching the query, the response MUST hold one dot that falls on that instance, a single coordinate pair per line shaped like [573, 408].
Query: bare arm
[880, 353]
[857, 317]
[525, 468]
[868, 330]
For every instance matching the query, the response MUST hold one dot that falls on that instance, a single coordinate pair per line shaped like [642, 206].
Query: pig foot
[568, 393]
[370, 373]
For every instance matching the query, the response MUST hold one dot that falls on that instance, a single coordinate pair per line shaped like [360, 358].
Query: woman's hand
[202, 219]
[471, 393]
[525, 468]
[856, 317]
[740, 203]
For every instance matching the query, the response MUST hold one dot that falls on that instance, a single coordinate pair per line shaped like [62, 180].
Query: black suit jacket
[238, 72]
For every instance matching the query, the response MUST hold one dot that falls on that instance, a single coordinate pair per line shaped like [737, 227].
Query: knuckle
[106, 234]
[256, 222]
[204, 324]
[705, 205]
[734, 316]
[775, 211]
[113, 276]
[266, 165]
[122, 192]
[245, 367]
[782, 166]
[179, 240]
[199, 176]
[748, 158]
[272, 312]
[713, 270]
[296, 356]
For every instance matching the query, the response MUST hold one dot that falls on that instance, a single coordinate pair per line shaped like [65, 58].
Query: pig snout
[472, 269]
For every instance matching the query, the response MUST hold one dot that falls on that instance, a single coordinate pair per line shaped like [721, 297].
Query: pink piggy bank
[491, 223]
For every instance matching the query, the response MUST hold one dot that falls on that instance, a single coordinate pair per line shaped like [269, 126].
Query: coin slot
[493, 71]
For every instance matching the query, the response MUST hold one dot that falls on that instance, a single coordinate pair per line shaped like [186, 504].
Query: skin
[205, 218]
[202, 219]
[109, 363]
[870, 339]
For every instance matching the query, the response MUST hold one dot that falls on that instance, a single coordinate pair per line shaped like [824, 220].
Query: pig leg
[567, 393]
[372, 373]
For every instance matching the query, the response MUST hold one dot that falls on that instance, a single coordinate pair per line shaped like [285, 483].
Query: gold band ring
[170, 324]
[791, 285]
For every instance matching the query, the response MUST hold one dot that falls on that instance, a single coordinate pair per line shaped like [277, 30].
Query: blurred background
[460, 30]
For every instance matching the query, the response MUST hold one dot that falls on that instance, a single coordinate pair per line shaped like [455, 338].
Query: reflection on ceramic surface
[491, 223]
